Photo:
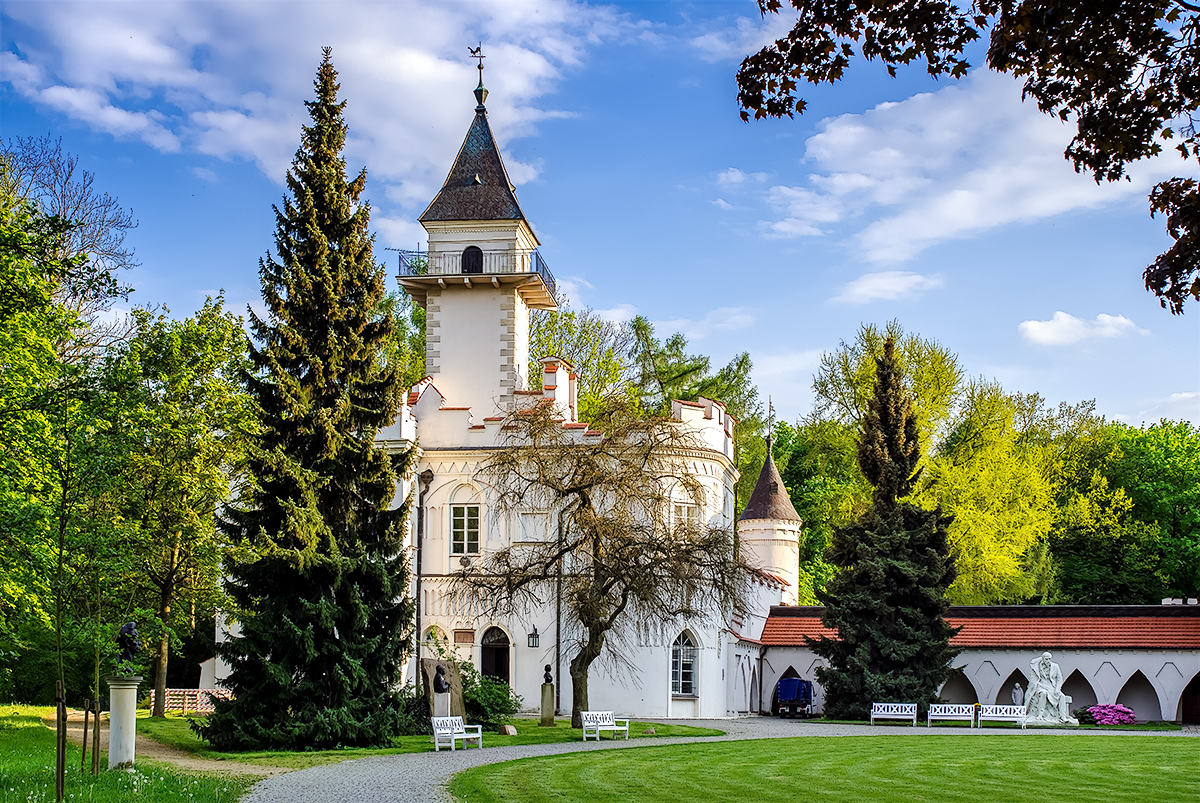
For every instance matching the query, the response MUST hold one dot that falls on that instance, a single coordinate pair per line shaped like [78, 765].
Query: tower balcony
[420, 270]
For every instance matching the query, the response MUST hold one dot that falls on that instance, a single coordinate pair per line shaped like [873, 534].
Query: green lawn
[890, 769]
[174, 731]
[27, 770]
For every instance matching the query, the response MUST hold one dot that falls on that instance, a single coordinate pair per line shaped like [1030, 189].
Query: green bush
[489, 702]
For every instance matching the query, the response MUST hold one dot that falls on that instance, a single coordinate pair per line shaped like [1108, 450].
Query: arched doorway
[1004, 694]
[1138, 695]
[958, 690]
[493, 658]
[1082, 694]
[472, 259]
[1189, 702]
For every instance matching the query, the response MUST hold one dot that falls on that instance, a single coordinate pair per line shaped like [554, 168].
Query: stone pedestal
[441, 704]
[547, 705]
[122, 724]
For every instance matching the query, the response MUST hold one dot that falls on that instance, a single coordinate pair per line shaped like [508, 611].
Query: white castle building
[479, 280]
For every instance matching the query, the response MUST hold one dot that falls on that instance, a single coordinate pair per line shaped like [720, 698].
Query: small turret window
[472, 260]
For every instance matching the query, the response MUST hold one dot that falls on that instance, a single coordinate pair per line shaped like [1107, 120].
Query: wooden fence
[197, 701]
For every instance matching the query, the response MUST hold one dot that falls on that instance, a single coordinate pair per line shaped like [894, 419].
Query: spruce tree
[887, 598]
[321, 603]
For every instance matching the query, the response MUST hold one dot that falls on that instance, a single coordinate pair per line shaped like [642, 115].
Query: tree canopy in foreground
[1127, 73]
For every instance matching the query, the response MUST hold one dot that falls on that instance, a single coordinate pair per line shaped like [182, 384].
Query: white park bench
[448, 730]
[948, 712]
[894, 711]
[596, 721]
[1002, 713]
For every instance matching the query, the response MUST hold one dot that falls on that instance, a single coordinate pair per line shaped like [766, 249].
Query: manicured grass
[27, 770]
[174, 731]
[848, 769]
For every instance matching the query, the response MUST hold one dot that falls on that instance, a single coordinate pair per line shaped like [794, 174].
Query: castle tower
[769, 529]
[482, 276]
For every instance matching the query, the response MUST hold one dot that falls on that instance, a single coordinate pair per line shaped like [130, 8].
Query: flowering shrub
[1112, 715]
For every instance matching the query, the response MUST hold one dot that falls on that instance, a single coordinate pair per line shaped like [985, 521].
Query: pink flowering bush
[1112, 715]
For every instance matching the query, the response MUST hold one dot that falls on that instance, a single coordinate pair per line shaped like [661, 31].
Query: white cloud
[745, 37]
[724, 319]
[204, 174]
[721, 203]
[904, 176]
[886, 285]
[732, 177]
[571, 289]
[1176, 407]
[398, 232]
[618, 314]
[1064, 329]
[775, 365]
[227, 79]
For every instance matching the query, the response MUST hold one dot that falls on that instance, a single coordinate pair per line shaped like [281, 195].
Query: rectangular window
[464, 529]
[535, 526]
[687, 516]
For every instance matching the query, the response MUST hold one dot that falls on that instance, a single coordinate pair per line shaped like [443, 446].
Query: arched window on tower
[683, 666]
[472, 260]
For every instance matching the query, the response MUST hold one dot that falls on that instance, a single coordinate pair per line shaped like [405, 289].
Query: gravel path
[422, 778]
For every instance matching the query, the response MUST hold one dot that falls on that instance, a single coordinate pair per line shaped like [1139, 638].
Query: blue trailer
[793, 697]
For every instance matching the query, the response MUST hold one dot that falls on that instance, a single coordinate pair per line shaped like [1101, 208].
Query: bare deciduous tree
[627, 562]
[39, 170]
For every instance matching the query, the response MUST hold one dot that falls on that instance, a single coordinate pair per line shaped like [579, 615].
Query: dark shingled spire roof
[770, 499]
[477, 187]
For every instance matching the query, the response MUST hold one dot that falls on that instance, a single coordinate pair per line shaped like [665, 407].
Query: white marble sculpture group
[1045, 703]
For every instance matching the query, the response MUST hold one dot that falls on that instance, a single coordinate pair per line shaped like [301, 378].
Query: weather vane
[477, 53]
[770, 418]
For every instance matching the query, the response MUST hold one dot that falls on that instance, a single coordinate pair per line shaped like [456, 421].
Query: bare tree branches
[634, 548]
[38, 170]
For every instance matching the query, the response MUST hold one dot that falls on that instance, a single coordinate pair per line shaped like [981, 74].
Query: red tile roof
[1091, 627]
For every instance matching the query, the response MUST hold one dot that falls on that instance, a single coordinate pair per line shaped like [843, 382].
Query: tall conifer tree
[323, 614]
[887, 599]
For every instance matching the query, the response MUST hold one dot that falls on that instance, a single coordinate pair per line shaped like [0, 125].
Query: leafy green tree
[998, 483]
[887, 598]
[1104, 555]
[1159, 468]
[597, 348]
[1125, 71]
[184, 418]
[665, 371]
[816, 459]
[322, 606]
[404, 351]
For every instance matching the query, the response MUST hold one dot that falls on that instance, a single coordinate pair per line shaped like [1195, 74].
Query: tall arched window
[472, 260]
[683, 666]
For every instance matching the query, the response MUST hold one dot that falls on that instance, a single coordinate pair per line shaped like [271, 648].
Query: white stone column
[122, 725]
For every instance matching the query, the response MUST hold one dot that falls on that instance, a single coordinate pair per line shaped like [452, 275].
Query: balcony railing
[475, 261]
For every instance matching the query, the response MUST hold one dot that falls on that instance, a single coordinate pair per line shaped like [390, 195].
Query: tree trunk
[160, 661]
[579, 674]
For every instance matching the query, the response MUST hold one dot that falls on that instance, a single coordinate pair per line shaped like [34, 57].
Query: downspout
[558, 618]
[424, 478]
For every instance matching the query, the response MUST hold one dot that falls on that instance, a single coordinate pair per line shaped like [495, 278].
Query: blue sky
[946, 205]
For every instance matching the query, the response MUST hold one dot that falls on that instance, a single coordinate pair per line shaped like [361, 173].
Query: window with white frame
[464, 529]
[683, 666]
[687, 516]
[535, 525]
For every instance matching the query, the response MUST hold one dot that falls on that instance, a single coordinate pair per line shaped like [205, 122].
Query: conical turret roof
[478, 187]
[770, 498]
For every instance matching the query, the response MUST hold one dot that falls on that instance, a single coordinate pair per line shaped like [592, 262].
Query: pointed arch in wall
[754, 695]
[1139, 695]
[1189, 703]
[958, 690]
[685, 665]
[1077, 687]
[1004, 692]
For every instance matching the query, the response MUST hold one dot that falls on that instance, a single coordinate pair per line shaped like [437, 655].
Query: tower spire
[481, 92]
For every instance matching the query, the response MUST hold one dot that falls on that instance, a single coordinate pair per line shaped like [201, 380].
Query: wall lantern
[534, 638]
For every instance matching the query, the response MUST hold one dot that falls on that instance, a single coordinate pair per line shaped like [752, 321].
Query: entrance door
[494, 654]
